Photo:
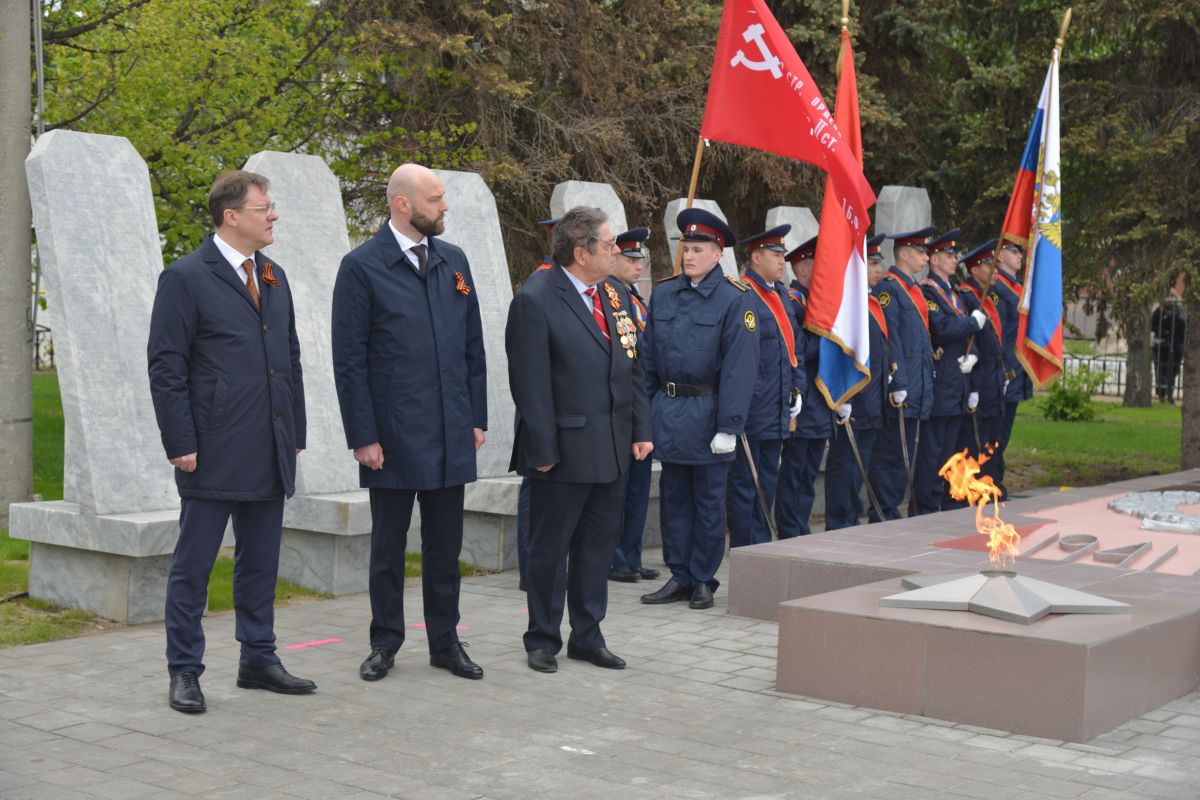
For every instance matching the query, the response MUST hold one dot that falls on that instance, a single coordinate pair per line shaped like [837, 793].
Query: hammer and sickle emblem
[770, 62]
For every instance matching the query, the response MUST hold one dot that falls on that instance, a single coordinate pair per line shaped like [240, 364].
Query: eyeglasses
[608, 244]
[267, 209]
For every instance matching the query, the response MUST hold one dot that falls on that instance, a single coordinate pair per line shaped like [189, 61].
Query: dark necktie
[597, 314]
[248, 266]
[422, 259]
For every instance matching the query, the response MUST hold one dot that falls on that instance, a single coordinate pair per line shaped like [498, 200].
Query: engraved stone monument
[900, 209]
[728, 259]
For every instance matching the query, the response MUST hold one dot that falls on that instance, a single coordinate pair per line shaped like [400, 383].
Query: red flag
[756, 70]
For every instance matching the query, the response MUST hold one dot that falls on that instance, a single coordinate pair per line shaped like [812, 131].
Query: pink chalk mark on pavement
[421, 626]
[317, 643]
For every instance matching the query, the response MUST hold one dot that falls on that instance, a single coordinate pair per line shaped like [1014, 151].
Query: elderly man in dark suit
[225, 376]
[579, 388]
[412, 384]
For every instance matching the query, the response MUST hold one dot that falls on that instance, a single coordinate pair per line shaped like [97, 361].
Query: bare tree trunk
[1139, 382]
[16, 353]
[1189, 445]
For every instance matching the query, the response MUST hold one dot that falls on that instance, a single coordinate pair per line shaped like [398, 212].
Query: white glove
[979, 317]
[1005, 389]
[899, 397]
[844, 411]
[972, 400]
[723, 443]
[967, 363]
[794, 411]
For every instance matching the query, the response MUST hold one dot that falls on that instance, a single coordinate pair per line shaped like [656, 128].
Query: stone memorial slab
[106, 546]
[569, 194]
[900, 209]
[804, 227]
[728, 259]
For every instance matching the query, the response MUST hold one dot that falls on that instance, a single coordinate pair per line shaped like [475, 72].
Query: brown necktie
[248, 266]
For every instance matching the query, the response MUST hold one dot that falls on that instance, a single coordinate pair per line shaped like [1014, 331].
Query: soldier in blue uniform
[1017, 386]
[627, 558]
[951, 328]
[523, 535]
[985, 404]
[864, 413]
[910, 385]
[701, 352]
[778, 391]
[803, 450]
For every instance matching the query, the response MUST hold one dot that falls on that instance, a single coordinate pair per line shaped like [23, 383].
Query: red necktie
[597, 314]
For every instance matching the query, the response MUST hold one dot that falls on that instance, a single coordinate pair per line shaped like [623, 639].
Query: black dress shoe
[702, 596]
[542, 661]
[671, 592]
[601, 657]
[624, 575]
[647, 574]
[274, 679]
[377, 664]
[185, 693]
[455, 659]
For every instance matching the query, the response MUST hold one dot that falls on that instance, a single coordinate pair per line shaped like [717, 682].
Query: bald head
[417, 201]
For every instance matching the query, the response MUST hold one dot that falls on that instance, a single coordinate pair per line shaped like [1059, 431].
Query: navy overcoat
[408, 363]
[226, 379]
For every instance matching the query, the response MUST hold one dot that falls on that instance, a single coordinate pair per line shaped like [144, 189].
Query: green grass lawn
[1121, 443]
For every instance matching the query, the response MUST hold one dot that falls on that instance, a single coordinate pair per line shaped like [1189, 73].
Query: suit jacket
[226, 379]
[408, 363]
[581, 401]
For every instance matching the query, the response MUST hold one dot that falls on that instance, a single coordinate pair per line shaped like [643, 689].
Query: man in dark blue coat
[701, 351]
[951, 328]
[1017, 386]
[804, 449]
[778, 392]
[409, 366]
[981, 425]
[576, 376]
[627, 557]
[864, 414]
[910, 385]
[225, 376]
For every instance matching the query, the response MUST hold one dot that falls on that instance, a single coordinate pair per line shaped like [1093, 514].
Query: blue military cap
[698, 225]
[918, 239]
[1009, 244]
[806, 250]
[548, 223]
[946, 243]
[771, 239]
[984, 254]
[874, 253]
[631, 240]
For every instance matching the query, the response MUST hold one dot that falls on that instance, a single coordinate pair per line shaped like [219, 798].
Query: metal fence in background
[1114, 369]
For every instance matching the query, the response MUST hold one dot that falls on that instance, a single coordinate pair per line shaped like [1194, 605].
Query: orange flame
[962, 473]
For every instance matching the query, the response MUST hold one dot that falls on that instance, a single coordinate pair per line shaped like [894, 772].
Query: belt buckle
[670, 389]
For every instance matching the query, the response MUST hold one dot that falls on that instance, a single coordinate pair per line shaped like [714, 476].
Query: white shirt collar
[234, 257]
[407, 244]
[579, 285]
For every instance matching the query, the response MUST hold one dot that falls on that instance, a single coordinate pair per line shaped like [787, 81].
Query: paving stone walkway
[694, 716]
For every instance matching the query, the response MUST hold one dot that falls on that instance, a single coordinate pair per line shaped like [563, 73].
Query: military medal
[612, 296]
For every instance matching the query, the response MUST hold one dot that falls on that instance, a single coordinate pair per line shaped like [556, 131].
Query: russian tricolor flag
[1034, 220]
[837, 303]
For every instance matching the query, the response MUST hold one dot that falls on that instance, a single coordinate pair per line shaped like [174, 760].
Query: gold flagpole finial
[1062, 32]
[845, 15]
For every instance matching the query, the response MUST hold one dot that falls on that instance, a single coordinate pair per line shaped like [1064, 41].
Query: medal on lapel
[626, 329]
[613, 299]
[460, 284]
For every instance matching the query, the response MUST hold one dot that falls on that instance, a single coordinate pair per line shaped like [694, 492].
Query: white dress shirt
[235, 259]
[407, 244]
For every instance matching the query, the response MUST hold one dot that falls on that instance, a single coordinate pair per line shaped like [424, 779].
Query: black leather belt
[689, 389]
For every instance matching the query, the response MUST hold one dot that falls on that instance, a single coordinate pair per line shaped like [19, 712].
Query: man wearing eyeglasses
[575, 370]
[224, 365]
[408, 363]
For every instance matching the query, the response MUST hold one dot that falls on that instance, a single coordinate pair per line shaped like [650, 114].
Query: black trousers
[574, 529]
[441, 544]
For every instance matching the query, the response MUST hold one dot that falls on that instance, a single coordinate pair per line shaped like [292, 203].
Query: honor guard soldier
[802, 451]
[627, 558]
[526, 487]
[701, 351]
[910, 388]
[863, 415]
[778, 393]
[985, 404]
[951, 329]
[1017, 386]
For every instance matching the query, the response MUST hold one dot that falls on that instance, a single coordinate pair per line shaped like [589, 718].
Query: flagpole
[691, 196]
[842, 46]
